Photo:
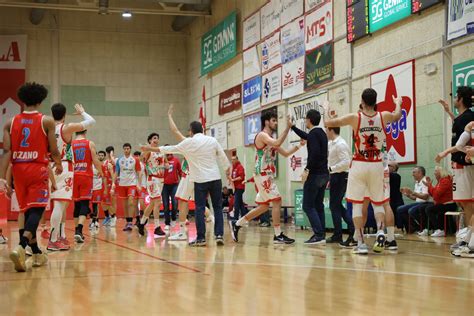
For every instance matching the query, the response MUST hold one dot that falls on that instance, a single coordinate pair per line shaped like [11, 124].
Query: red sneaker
[54, 246]
[45, 234]
[64, 241]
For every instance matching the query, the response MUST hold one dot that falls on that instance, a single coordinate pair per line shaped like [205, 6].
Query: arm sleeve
[300, 133]
[344, 158]
[88, 120]
[223, 161]
[463, 141]
[176, 149]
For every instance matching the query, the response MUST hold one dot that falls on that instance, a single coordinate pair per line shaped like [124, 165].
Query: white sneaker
[424, 232]
[97, 225]
[438, 233]
[113, 222]
[458, 252]
[3, 239]
[167, 228]
[39, 260]
[28, 251]
[173, 224]
[361, 250]
[178, 237]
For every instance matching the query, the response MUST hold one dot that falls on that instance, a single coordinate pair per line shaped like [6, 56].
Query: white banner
[292, 40]
[13, 51]
[398, 81]
[311, 4]
[270, 17]
[319, 26]
[293, 78]
[460, 18]
[296, 163]
[271, 84]
[251, 63]
[251, 31]
[290, 10]
[298, 110]
[219, 132]
[270, 52]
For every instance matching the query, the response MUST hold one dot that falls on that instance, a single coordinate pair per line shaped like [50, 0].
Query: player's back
[369, 138]
[29, 142]
[82, 157]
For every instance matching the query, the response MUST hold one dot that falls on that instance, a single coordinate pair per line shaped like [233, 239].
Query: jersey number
[26, 134]
[80, 153]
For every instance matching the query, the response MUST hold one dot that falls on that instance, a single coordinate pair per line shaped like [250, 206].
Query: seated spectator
[442, 194]
[420, 195]
[225, 197]
[396, 198]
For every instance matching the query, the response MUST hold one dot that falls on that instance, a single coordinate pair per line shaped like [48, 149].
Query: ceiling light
[126, 14]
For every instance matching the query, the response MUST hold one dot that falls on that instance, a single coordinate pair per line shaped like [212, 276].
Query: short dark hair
[369, 96]
[314, 117]
[336, 130]
[101, 152]
[153, 135]
[127, 145]
[81, 132]
[267, 116]
[422, 170]
[109, 149]
[196, 127]
[32, 93]
[464, 93]
[59, 111]
[137, 153]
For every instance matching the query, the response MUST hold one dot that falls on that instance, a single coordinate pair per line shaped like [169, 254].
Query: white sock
[157, 222]
[471, 240]
[63, 230]
[359, 237]
[277, 230]
[391, 233]
[55, 221]
[143, 220]
[182, 227]
[242, 221]
[468, 234]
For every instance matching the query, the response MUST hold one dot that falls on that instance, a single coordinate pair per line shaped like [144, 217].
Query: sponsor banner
[296, 164]
[401, 136]
[292, 41]
[251, 31]
[12, 76]
[219, 45]
[252, 126]
[270, 52]
[252, 90]
[271, 84]
[290, 10]
[270, 17]
[319, 26]
[319, 66]
[219, 132]
[299, 108]
[460, 18]
[383, 13]
[311, 4]
[463, 75]
[293, 78]
[251, 63]
[230, 100]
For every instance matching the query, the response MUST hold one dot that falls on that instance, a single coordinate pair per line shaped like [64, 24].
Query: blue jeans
[338, 211]
[402, 214]
[313, 202]
[169, 191]
[239, 208]
[214, 188]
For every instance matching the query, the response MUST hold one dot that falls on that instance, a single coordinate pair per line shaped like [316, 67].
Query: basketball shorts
[97, 196]
[82, 188]
[124, 192]
[14, 206]
[267, 189]
[386, 186]
[64, 186]
[366, 180]
[31, 184]
[463, 183]
[154, 187]
[185, 190]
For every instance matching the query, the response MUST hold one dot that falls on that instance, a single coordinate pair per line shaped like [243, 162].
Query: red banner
[230, 100]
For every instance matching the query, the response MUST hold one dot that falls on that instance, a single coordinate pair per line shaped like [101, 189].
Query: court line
[434, 256]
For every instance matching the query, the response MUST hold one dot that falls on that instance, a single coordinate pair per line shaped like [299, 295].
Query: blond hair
[443, 172]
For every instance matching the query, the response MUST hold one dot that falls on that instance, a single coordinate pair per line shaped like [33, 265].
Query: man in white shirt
[202, 152]
[419, 195]
[339, 161]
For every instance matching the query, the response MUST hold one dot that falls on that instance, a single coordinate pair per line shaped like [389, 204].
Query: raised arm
[389, 117]
[351, 119]
[95, 161]
[174, 129]
[287, 153]
[71, 128]
[447, 109]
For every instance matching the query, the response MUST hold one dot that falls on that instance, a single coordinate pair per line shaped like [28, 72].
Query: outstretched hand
[290, 121]
[79, 109]
[397, 101]
[444, 104]
[170, 110]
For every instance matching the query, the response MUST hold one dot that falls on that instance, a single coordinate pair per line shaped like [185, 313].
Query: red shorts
[31, 184]
[143, 193]
[126, 192]
[82, 188]
[97, 196]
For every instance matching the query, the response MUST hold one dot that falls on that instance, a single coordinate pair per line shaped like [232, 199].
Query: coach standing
[316, 175]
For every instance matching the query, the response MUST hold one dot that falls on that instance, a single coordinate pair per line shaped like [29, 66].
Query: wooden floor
[119, 273]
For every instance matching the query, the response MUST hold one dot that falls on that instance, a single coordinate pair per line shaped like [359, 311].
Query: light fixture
[103, 7]
[126, 14]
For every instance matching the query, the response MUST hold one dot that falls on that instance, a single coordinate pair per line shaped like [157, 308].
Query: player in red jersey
[84, 155]
[28, 139]
[109, 203]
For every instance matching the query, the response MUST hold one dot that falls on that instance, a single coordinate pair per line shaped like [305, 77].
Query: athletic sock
[182, 227]
[21, 232]
[79, 228]
[24, 241]
[390, 233]
[468, 235]
[242, 221]
[137, 218]
[157, 222]
[106, 213]
[63, 230]
[35, 249]
[471, 240]
[359, 236]
[113, 215]
[143, 220]
[277, 229]
[129, 219]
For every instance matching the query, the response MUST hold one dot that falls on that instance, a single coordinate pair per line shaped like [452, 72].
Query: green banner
[219, 44]
[463, 75]
[383, 13]
[319, 66]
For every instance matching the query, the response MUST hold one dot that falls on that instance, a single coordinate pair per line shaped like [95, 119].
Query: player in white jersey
[155, 166]
[366, 174]
[63, 194]
[142, 195]
[109, 201]
[267, 147]
[128, 171]
[98, 184]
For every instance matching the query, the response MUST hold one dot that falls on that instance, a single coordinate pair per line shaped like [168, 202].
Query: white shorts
[267, 189]
[154, 187]
[63, 184]
[366, 180]
[386, 186]
[185, 191]
[15, 207]
[463, 183]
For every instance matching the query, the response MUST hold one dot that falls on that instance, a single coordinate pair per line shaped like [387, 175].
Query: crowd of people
[50, 162]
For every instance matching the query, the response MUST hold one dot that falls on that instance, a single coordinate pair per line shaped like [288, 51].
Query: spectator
[442, 195]
[237, 177]
[226, 193]
[396, 198]
[420, 195]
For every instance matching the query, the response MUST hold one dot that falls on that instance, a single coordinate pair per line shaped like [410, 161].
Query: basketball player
[267, 147]
[109, 204]
[128, 171]
[63, 195]
[98, 185]
[155, 166]
[143, 192]
[84, 156]
[28, 139]
[366, 174]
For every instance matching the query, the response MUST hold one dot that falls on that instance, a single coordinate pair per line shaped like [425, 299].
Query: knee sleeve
[356, 210]
[84, 211]
[77, 209]
[32, 219]
[378, 209]
[95, 210]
